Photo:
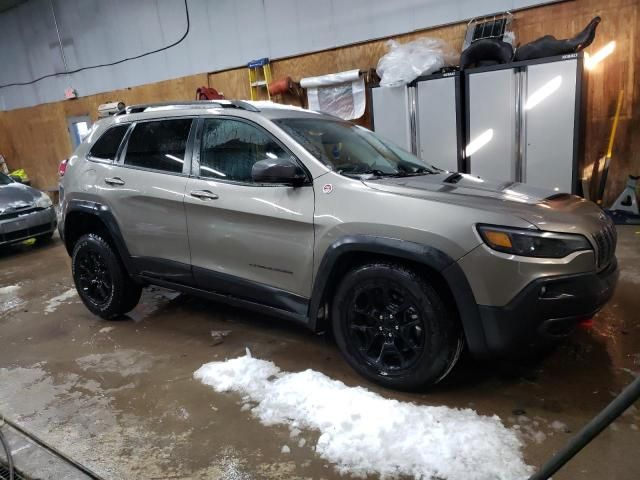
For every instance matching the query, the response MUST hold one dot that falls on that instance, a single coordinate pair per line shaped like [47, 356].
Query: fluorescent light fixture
[212, 170]
[513, 193]
[473, 178]
[275, 205]
[590, 61]
[173, 157]
[479, 142]
[543, 92]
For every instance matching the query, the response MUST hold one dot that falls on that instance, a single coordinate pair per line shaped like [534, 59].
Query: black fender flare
[105, 215]
[429, 256]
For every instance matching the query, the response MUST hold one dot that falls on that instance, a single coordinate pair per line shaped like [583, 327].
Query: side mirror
[278, 170]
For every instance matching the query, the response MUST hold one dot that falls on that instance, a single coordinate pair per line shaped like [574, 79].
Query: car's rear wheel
[394, 328]
[100, 278]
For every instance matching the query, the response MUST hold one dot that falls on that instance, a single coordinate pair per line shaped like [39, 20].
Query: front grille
[606, 244]
[19, 213]
[25, 233]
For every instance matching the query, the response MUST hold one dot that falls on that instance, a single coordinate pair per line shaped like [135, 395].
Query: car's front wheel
[393, 327]
[100, 278]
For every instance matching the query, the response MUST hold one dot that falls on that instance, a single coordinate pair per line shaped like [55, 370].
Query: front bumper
[17, 229]
[546, 310]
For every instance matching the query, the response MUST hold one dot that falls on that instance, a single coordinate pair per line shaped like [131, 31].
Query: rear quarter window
[106, 147]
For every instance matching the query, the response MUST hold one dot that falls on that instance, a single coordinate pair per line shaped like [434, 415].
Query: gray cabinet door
[491, 151]
[436, 122]
[549, 114]
[391, 115]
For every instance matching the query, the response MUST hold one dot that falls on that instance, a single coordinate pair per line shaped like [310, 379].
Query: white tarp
[341, 94]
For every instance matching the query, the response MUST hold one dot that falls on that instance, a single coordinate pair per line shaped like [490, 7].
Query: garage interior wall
[36, 138]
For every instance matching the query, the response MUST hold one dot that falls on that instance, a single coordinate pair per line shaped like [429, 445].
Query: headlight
[532, 243]
[44, 201]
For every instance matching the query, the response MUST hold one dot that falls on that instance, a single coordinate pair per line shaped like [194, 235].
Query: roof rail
[193, 104]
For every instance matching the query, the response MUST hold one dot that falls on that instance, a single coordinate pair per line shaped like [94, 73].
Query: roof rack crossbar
[194, 104]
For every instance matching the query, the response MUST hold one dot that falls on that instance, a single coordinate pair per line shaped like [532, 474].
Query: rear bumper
[27, 226]
[545, 311]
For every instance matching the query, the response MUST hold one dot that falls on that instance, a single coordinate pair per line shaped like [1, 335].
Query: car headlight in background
[532, 243]
[44, 201]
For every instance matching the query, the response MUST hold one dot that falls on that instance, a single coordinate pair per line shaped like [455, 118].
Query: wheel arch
[442, 270]
[82, 217]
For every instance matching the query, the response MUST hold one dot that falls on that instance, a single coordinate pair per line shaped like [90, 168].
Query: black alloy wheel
[393, 327]
[385, 325]
[101, 279]
[93, 277]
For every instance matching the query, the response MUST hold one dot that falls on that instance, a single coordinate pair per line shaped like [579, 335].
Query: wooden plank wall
[36, 138]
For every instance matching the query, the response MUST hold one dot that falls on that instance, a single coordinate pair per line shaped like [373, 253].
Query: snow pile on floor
[9, 290]
[364, 433]
[8, 298]
[54, 303]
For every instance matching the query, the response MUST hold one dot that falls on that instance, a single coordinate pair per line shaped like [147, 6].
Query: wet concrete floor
[119, 397]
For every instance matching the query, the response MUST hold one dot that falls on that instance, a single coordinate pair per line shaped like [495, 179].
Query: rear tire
[393, 327]
[101, 279]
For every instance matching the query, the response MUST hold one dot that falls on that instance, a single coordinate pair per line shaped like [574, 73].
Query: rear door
[146, 191]
[250, 240]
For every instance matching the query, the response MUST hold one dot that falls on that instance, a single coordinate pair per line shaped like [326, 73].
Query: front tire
[100, 278]
[393, 327]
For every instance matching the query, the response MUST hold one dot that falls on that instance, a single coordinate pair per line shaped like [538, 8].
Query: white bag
[407, 61]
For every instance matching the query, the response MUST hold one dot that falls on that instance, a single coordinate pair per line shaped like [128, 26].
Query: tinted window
[352, 150]
[106, 147]
[159, 145]
[230, 148]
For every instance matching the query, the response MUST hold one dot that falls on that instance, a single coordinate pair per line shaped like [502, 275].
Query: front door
[250, 240]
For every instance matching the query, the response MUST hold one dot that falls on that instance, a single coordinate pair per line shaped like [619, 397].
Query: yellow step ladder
[259, 80]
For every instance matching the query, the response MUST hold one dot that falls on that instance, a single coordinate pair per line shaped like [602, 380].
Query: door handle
[204, 195]
[114, 181]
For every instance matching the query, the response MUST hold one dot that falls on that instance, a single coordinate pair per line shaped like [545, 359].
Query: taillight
[63, 167]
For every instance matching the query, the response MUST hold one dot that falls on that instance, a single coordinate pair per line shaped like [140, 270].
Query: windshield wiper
[373, 171]
[379, 173]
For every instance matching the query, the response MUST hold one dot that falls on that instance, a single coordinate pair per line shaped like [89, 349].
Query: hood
[543, 208]
[16, 196]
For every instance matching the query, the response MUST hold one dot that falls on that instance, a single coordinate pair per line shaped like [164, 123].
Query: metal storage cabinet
[392, 115]
[492, 125]
[439, 120]
[527, 116]
[549, 133]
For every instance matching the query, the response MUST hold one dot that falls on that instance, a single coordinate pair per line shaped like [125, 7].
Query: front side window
[229, 149]
[106, 147]
[353, 150]
[159, 145]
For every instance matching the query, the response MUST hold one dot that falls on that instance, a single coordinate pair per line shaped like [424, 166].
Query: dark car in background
[24, 212]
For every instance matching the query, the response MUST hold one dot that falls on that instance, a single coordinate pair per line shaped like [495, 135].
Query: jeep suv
[307, 217]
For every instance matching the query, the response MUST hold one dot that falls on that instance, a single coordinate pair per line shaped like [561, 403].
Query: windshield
[352, 150]
[5, 179]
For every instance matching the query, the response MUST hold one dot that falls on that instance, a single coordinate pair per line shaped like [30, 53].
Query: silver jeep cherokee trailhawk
[308, 217]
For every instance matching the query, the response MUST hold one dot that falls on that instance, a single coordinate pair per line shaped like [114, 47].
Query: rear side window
[159, 145]
[106, 147]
